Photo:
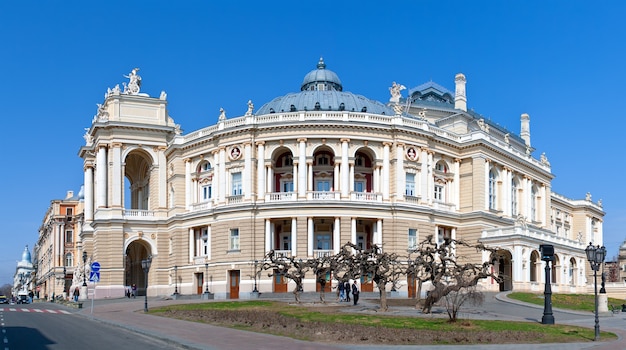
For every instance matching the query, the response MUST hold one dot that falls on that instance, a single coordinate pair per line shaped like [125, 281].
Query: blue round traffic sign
[95, 266]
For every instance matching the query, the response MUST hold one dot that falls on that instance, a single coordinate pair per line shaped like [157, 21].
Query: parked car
[22, 299]
[3, 299]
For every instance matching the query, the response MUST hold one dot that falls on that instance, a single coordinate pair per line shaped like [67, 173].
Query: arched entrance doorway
[505, 270]
[133, 273]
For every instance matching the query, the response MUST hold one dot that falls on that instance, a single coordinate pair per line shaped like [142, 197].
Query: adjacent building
[57, 247]
[302, 175]
[23, 278]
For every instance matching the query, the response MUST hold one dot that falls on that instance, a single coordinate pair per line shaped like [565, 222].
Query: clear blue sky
[562, 62]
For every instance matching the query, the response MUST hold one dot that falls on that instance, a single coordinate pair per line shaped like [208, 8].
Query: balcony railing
[282, 253]
[323, 195]
[366, 197]
[322, 253]
[280, 196]
[234, 199]
[138, 213]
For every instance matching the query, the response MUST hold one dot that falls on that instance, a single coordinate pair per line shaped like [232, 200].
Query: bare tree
[438, 264]
[294, 269]
[381, 266]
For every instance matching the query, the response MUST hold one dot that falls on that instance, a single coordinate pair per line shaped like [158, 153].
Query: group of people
[132, 291]
[345, 289]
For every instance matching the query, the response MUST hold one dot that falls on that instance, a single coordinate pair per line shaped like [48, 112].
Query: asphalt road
[45, 326]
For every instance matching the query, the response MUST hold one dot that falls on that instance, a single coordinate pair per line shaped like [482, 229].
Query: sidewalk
[127, 313]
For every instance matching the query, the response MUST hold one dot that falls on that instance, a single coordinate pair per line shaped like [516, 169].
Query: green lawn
[578, 302]
[445, 329]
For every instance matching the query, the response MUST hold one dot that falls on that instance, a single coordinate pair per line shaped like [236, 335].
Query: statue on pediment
[395, 92]
[222, 114]
[134, 83]
[250, 108]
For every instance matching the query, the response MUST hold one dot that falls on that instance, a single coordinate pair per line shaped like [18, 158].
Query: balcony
[138, 213]
[323, 195]
[366, 197]
[281, 254]
[234, 199]
[280, 196]
[322, 253]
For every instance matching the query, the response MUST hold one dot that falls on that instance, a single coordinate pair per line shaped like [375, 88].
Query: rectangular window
[412, 239]
[439, 193]
[359, 186]
[205, 241]
[323, 241]
[443, 234]
[234, 239]
[69, 236]
[410, 185]
[206, 192]
[323, 185]
[236, 184]
[288, 186]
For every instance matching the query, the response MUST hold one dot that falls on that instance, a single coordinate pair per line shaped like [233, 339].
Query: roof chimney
[69, 195]
[460, 100]
[525, 130]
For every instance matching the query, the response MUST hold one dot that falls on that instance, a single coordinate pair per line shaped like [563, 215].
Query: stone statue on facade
[250, 108]
[544, 159]
[134, 83]
[482, 125]
[507, 139]
[395, 92]
[88, 138]
[222, 115]
[102, 114]
[588, 197]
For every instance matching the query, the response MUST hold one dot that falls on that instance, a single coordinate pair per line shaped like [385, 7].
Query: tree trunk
[383, 296]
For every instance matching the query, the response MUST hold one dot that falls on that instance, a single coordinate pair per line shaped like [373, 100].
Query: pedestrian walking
[134, 290]
[346, 288]
[76, 294]
[342, 291]
[355, 293]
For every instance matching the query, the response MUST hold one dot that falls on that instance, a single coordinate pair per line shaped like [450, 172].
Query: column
[385, 169]
[302, 169]
[309, 228]
[294, 237]
[343, 185]
[101, 172]
[353, 230]
[116, 175]
[296, 183]
[88, 192]
[270, 180]
[400, 175]
[336, 236]
[192, 250]
[162, 177]
[424, 171]
[457, 183]
[187, 183]
[376, 188]
[336, 175]
[216, 177]
[223, 191]
[351, 177]
[260, 158]
[246, 176]
[378, 238]
[268, 236]
[487, 163]
[309, 183]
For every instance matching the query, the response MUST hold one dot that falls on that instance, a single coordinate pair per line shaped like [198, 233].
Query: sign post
[94, 276]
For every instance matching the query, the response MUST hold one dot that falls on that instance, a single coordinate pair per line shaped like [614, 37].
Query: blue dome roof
[26, 255]
[321, 90]
[321, 75]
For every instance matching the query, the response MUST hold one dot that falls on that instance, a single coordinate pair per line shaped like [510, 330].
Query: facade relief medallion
[411, 153]
[235, 153]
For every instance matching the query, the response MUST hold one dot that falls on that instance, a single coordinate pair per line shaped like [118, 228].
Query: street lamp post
[65, 281]
[145, 265]
[256, 263]
[595, 256]
[206, 274]
[175, 280]
[84, 269]
[547, 255]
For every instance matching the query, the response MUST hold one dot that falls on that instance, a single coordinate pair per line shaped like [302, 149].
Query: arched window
[492, 189]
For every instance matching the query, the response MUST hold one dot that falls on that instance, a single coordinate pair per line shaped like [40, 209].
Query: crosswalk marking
[50, 311]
